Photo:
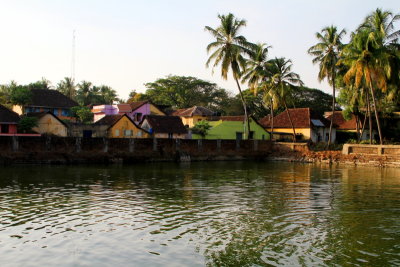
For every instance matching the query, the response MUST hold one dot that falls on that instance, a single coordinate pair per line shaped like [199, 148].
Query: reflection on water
[218, 214]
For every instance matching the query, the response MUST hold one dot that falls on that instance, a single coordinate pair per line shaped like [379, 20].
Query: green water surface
[217, 214]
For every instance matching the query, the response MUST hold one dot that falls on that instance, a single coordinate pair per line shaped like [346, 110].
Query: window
[327, 137]
[55, 111]
[138, 116]
[239, 136]
[251, 135]
[116, 132]
[128, 133]
[170, 135]
[65, 112]
[4, 128]
[139, 134]
[37, 109]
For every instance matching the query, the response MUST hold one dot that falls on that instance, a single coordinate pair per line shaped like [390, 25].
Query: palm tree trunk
[369, 118]
[333, 108]
[245, 109]
[272, 120]
[291, 122]
[376, 112]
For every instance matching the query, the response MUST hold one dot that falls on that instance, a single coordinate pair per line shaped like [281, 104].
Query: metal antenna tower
[73, 57]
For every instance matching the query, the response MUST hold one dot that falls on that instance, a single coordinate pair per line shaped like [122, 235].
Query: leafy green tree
[184, 92]
[201, 128]
[26, 124]
[326, 54]
[21, 96]
[228, 50]
[317, 100]
[67, 87]
[5, 93]
[82, 113]
[42, 84]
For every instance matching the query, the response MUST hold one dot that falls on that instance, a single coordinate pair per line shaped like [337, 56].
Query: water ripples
[214, 214]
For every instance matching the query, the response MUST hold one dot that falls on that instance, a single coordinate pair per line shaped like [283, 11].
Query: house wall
[50, 125]
[56, 111]
[76, 130]
[102, 110]
[191, 121]
[17, 109]
[324, 133]
[306, 132]
[12, 128]
[124, 124]
[227, 130]
[155, 111]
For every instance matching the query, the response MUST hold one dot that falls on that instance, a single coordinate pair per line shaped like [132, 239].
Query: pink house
[135, 110]
[8, 121]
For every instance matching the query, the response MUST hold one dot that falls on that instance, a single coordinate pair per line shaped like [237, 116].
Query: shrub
[201, 128]
[26, 124]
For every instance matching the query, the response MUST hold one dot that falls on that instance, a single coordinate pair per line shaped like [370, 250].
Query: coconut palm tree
[85, 93]
[326, 54]
[228, 50]
[367, 65]
[380, 25]
[270, 97]
[67, 87]
[283, 81]
[257, 74]
[257, 67]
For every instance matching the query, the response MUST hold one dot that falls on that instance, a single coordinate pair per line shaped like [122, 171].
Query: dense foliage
[26, 124]
[82, 114]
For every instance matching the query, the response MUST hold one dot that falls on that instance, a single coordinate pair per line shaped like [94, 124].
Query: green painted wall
[228, 129]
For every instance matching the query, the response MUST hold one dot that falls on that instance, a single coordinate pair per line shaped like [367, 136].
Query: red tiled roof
[340, 122]
[265, 121]
[8, 116]
[165, 124]
[301, 118]
[51, 99]
[231, 118]
[193, 111]
[109, 120]
[124, 108]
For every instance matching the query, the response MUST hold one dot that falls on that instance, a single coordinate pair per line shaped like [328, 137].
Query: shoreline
[310, 157]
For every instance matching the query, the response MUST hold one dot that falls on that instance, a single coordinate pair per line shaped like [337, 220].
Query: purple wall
[145, 110]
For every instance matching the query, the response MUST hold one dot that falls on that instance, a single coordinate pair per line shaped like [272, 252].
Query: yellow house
[48, 123]
[121, 126]
[191, 116]
[309, 126]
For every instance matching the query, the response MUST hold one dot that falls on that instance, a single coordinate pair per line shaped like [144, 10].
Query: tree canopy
[185, 92]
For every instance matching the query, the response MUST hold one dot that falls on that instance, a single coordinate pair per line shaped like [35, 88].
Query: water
[217, 214]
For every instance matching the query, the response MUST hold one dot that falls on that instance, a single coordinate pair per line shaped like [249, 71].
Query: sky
[125, 44]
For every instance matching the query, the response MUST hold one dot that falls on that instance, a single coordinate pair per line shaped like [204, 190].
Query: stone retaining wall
[380, 150]
[52, 149]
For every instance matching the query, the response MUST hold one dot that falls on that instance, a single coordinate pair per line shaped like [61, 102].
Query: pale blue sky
[125, 44]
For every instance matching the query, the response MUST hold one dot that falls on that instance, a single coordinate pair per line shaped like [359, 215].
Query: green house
[232, 128]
